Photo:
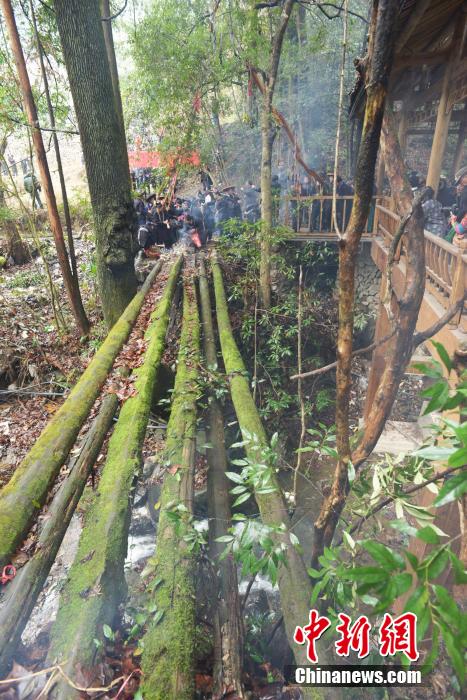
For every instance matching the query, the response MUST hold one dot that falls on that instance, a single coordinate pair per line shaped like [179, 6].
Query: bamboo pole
[228, 630]
[22, 594]
[71, 283]
[294, 583]
[96, 582]
[27, 490]
[169, 644]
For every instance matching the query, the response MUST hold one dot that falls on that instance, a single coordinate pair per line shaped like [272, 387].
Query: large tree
[104, 149]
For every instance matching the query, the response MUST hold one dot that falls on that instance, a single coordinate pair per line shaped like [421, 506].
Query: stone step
[399, 437]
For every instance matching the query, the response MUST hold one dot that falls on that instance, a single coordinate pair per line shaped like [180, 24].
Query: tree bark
[50, 109]
[104, 149]
[110, 48]
[27, 490]
[229, 633]
[71, 283]
[169, 644]
[267, 140]
[381, 48]
[22, 594]
[293, 581]
[96, 582]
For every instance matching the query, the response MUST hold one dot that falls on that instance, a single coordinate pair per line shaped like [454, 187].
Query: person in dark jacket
[251, 202]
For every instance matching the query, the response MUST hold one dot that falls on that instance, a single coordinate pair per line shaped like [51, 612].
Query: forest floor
[37, 369]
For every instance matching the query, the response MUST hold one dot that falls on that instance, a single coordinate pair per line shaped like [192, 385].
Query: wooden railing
[446, 264]
[313, 214]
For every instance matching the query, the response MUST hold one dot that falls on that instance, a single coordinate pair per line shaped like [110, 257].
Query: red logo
[396, 635]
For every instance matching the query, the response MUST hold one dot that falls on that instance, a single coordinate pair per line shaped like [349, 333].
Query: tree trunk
[50, 109]
[169, 644]
[267, 140]
[381, 45]
[228, 632]
[27, 490]
[110, 48]
[294, 583]
[96, 582]
[22, 594]
[71, 283]
[104, 150]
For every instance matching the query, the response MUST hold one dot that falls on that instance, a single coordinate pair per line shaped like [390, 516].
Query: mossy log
[169, 644]
[96, 582]
[293, 581]
[228, 625]
[27, 490]
[22, 594]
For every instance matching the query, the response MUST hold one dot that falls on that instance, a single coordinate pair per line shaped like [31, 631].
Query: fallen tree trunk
[293, 581]
[228, 627]
[96, 582]
[169, 643]
[22, 594]
[27, 490]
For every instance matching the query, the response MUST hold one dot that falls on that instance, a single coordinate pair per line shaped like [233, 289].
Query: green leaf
[448, 608]
[427, 534]
[417, 601]
[442, 352]
[437, 564]
[233, 476]
[225, 538]
[241, 499]
[383, 555]
[460, 574]
[454, 487]
[433, 452]
[459, 458]
[108, 632]
[366, 574]
[455, 654]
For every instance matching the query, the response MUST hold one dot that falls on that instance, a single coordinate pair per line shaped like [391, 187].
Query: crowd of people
[445, 213]
[163, 221]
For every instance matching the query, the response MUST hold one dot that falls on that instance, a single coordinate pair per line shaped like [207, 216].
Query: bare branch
[112, 17]
[355, 353]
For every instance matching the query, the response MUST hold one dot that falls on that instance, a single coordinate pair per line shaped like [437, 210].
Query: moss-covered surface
[293, 580]
[26, 492]
[22, 594]
[169, 645]
[96, 583]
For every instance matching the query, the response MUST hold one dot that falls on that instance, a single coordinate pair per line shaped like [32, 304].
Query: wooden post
[458, 288]
[71, 284]
[445, 109]
[459, 152]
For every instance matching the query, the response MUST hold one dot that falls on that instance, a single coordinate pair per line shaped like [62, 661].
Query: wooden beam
[421, 59]
[412, 24]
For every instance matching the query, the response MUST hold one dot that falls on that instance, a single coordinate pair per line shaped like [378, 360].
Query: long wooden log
[228, 627]
[96, 582]
[293, 581]
[27, 490]
[169, 644]
[22, 594]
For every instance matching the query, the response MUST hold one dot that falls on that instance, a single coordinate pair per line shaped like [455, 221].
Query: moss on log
[27, 490]
[169, 644]
[293, 581]
[228, 625]
[21, 595]
[96, 582]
